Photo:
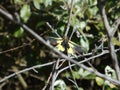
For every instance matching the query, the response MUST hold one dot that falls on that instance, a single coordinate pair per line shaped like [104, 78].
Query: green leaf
[99, 81]
[86, 74]
[18, 1]
[110, 72]
[76, 74]
[36, 3]
[84, 42]
[115, 41]
[110, 86]
[25, 12]
[93, 2]
[60, 85]
[19, 33]
[92, 12]
[82, 24]
[80, 88]
[47, 2]
[39, 24]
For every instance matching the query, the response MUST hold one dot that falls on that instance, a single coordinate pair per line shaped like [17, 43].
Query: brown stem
[114, 58]
[69, 19]
[110, 33]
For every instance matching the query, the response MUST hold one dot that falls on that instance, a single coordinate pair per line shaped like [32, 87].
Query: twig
[21, 46]
[44, 88]
[39, 66]
[116, 82]
[110, 32]
[86, 60]
[66, 32]
[115, 26]
[40, 39]
[74, 80]
[52, 29]
[2, 85]
[63, 61]
[15, 48]
[55, 70]
[24, 70]
[20, 78]
[69, 19]
[72, 34]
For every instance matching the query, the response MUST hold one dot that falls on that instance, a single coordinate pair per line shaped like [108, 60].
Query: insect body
[66, 46]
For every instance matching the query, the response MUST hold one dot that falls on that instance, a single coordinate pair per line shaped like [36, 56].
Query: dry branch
[110, 33]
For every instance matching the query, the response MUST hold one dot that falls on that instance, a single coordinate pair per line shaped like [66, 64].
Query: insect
[66, 46]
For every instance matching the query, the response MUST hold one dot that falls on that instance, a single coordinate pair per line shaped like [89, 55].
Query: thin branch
[39, 66]
[107, 26]
[74, 80]
[40, 39]
[20, 78]
[55, 70]
[93, 71]
[18, 47]
[110, 32]
[48, 81]
[53, 29]
[72, 34]
[115, 26]
[114, 58]
[86, 60]
[101, 4]
[24, 70]
[69, 19]
[2, 85]
[7, 15]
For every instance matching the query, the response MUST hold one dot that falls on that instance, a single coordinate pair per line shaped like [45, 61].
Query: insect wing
[70, 49]
[77, 49]
[53, 40]
[60, 47]
[57, 42]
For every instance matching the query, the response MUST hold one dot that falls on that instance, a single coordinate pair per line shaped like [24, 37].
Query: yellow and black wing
[57, 42]
[71, 47]
[76, 49]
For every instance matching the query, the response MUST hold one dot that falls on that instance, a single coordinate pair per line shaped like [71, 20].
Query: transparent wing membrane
[66, 46]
